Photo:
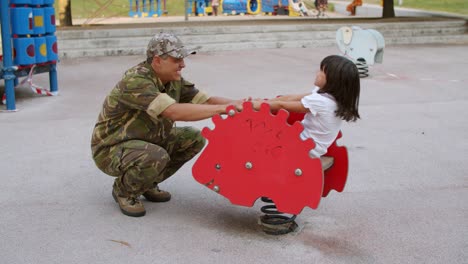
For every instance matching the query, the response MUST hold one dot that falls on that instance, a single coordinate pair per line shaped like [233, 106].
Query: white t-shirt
[321, 123]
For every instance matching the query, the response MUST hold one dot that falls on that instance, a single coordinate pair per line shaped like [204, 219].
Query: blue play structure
[197, 7]
[28, 43]
[253, 7]
[235, 7]
[145, 8]
[269, 6]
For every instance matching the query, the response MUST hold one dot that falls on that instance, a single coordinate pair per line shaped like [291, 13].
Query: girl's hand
[239, 107]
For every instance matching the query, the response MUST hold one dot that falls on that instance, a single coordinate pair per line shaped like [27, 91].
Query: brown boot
[129, 206]
[156, 195]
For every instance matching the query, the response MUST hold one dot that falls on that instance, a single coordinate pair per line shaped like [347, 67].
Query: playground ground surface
[405, 200]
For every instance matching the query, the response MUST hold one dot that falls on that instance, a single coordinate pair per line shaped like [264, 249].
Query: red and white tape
[35, 88]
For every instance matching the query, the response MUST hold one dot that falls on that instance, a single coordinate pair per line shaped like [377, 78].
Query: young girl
[334, 98]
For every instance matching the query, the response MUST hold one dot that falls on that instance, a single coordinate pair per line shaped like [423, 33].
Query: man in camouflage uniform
[134, 138]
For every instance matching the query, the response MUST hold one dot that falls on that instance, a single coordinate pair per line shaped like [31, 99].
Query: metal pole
[130, 12]
[151, 8]
[159, 12]
[53, 79]
[8, 68]
[138, 10]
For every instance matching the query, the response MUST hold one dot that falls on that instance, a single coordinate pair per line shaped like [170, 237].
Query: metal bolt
[298, 172]
[248, 165]
[218, 167]
[216, 188]
[231, 112]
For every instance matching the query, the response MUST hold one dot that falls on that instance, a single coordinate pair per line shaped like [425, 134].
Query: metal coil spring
[275, 222]
[363, 68]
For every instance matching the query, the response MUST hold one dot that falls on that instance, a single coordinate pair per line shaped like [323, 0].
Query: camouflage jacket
[132, 109]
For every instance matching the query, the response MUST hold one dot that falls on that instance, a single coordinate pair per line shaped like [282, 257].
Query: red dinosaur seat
[253, 154]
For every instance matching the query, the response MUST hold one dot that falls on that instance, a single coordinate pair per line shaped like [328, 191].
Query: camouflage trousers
[140, 165]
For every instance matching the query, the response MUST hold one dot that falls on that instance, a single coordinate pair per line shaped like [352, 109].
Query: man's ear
[157, 59]
[156, 62]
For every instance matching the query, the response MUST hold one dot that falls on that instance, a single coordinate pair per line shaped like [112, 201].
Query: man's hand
[257, 103]
[239, 107]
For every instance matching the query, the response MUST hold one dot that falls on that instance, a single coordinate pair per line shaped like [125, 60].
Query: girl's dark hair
[343, 83]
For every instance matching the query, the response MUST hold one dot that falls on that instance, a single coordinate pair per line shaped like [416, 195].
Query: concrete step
[194, 40]
[299, 26]
[206, 38]
[131, 40]
[208, 47]
[214, 47]
[452, 39]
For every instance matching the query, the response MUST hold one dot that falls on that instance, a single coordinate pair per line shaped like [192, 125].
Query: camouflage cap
[167, 44]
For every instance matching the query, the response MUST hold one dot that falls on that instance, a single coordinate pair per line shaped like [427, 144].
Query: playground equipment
[198, 7]
[363, 46]
[29, 45]
[298, 8]
[254, 7]
[241, 7]
[256, 154]
[146, 8]
[234, 7]
[352, 6]
[272, 6]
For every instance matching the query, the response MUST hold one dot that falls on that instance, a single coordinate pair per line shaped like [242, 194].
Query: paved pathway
[405, 201]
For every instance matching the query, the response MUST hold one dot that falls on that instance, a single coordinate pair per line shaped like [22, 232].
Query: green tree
[64, 12]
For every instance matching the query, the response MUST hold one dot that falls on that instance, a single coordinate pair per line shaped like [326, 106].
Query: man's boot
[156, 195]
[129, 206]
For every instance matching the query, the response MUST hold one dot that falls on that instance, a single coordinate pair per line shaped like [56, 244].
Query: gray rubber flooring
[405, 199]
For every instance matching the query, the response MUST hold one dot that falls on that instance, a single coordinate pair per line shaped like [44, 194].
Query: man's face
[169, 69]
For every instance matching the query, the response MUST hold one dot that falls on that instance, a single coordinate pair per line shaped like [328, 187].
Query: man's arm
[291, 106]
[216, 100]
[192, 112]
